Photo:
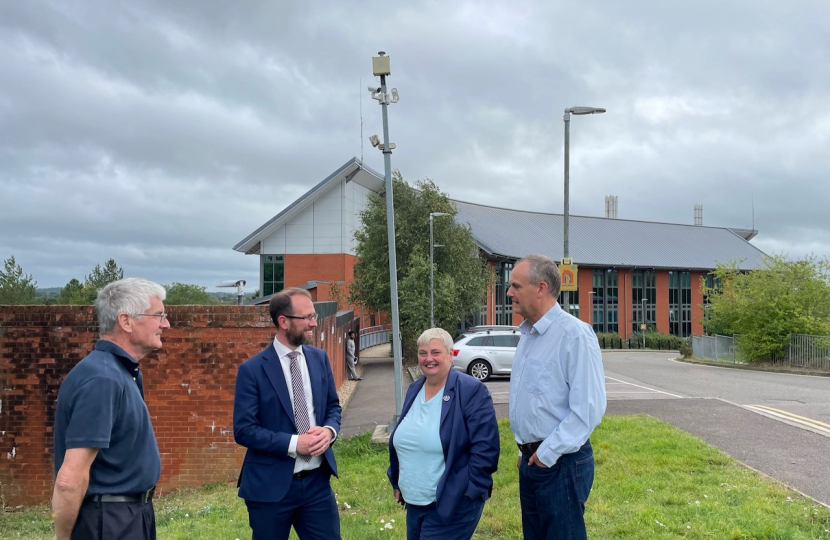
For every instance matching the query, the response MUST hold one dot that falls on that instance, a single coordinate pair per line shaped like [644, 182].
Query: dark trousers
[309, 506]
[423, 523]
[109, 520]
[553, 498]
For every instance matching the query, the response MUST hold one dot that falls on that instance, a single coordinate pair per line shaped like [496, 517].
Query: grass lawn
[652, 482]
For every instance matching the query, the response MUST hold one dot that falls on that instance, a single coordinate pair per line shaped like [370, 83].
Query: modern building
[630, 272]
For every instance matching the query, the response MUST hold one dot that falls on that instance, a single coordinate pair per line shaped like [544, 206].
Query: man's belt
[143, 497]
[302, 474]
[528, 449]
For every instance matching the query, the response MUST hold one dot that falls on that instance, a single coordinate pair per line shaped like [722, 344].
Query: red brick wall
[661, 282]
[189, 387]
[697, 303]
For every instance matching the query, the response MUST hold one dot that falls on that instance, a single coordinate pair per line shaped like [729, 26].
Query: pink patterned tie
[300, 407]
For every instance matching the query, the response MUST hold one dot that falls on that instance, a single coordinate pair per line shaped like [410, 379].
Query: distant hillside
[47, 292]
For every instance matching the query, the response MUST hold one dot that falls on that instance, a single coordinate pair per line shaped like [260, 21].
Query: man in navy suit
[287, 414]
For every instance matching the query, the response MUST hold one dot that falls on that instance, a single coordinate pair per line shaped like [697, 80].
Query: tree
[16, 287]
[186, 294]
[74, 293]
[764, 306]
[461, 277]
[78, 293]
[100, 277]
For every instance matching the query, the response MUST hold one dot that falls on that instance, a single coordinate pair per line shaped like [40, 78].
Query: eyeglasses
[161, 316]
[309, 318]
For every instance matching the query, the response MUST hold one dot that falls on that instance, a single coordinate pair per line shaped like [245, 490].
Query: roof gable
[352, 171]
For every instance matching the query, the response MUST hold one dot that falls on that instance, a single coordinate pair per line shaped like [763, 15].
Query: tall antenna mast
[361, 118]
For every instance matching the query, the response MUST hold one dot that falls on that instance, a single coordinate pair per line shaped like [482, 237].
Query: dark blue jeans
[423, 523]
[553, 499]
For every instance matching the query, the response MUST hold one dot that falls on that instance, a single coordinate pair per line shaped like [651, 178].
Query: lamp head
[585, 110]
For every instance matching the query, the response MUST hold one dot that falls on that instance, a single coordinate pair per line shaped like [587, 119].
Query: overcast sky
[162, 133]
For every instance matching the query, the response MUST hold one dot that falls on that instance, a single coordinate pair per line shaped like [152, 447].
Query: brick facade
[189, 386]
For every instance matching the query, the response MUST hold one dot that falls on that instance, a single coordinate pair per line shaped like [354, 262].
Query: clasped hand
[314, 442]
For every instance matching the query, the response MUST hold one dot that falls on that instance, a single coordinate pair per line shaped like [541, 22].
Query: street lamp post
[381, 68]
[431, 278]
[644, 323]
[567, 119]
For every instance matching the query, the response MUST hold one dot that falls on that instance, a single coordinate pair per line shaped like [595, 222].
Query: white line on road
[643, 387]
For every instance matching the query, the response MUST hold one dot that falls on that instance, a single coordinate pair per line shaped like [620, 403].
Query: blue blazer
[469, 436]
[263, 420]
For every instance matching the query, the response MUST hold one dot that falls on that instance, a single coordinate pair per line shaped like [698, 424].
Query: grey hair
[543, 269]
[131, 296]
[436, 333]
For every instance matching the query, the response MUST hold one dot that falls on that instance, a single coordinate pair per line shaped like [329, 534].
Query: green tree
[74, 293]
[186, 294]
[16, 287]
[766, 305]
[77, 293]
[461, 277]
[100, 277]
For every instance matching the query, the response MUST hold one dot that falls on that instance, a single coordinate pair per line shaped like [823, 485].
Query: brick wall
[189, 387]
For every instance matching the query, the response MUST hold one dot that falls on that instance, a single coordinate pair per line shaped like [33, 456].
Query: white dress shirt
[285, 363]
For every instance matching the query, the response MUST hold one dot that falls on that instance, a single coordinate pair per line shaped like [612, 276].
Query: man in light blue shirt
[557, 398]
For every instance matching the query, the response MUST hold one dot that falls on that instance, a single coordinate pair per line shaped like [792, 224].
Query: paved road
[775, 423]
[798, 399]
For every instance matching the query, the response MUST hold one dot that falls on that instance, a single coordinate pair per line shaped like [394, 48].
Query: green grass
[652, 482]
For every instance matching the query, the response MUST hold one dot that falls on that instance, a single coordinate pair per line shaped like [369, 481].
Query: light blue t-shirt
[418, 444]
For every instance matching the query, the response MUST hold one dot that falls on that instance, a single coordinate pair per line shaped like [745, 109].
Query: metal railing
[803, 351]
[721, 348]
[374, 335]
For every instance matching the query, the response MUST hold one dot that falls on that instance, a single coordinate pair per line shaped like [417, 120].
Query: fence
[803, 351]
[374, 335]
[720, 348]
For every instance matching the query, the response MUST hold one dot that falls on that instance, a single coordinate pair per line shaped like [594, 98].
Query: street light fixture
[381, 68]
[431, 278]
[240, 288]
[567, 119]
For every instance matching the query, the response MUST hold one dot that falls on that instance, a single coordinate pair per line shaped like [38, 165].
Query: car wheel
[479, 369]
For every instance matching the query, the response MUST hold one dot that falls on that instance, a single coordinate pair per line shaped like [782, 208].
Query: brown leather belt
[528, 449]
[144, 497]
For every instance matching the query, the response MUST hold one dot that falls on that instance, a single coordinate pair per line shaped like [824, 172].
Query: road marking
[643, 387]
[803, 420]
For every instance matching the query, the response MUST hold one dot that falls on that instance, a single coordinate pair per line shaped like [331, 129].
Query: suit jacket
[469, 437]
[263, 420]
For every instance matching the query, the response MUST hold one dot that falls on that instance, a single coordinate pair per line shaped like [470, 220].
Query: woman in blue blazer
[445, 448]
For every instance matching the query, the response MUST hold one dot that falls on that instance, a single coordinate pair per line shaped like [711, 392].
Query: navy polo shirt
[100, 405]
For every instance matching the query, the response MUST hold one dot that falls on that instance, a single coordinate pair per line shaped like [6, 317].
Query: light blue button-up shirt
[557, 386]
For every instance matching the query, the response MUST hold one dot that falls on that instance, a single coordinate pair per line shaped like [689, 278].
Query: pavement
[777, 449]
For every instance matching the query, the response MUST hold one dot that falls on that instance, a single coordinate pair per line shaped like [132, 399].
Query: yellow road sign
[568, 272]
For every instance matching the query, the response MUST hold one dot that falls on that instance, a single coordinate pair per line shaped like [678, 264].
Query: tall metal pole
[567, 118]
[431, 280]
[393, 263]
[644, 322]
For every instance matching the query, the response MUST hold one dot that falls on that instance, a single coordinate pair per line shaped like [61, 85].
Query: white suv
[486, 352]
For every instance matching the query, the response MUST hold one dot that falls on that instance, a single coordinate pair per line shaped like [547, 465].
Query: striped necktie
[300, 406]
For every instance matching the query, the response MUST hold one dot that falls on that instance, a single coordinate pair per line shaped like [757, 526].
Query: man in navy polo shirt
[106, 456]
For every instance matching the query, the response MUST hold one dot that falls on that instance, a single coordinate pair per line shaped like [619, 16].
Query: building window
[606, 300]
[273, 274]
[503, 303]
[643, 287]
[680, 303]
